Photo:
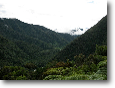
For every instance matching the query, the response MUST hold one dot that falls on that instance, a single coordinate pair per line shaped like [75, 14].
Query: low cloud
[1, 6]
[1, 9]
[2, 13]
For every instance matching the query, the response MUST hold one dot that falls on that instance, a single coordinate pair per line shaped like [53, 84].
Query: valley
[33, 52]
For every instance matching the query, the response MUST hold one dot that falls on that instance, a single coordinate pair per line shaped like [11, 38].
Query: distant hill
[86, 43]
[29, 43]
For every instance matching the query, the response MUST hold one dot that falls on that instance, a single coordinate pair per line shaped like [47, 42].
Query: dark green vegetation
[22, 43]
[93, 67]
[85, 58]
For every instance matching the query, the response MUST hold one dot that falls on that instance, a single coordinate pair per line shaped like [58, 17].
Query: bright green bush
[76, 77]
[53, 77]
[97, 76]
[102, 64]
[12, 72]
[21, 78]
[54, 71]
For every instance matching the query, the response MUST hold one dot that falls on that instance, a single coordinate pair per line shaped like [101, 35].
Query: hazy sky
[63, 15]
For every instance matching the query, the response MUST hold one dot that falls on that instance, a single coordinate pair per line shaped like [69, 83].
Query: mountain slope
[10, 54]
[86, 43]
[17, 30]
[37, 43]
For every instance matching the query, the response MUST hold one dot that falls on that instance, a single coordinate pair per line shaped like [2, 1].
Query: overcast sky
[63, 15]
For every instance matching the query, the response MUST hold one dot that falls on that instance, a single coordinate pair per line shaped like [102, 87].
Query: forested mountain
[31, 52]
[86, 43]
[31, 43]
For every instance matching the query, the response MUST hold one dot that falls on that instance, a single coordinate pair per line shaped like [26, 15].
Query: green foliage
[30, 66]
[79, 59]
[86, 71]
[61, 64]
[77, 77]
[93, 67]
[101, 74]
[21, 78]
[92, 58]
[101, 50]
[98, 77]
[13, 72]
[54, 71]
[38, 73]
[53, 77]
[102, 64]
[81, 73]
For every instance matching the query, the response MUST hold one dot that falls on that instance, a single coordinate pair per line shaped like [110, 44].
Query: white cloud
[62, 15]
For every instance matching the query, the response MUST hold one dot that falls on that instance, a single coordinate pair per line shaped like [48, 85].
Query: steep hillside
[86, 43]
[37, 43]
